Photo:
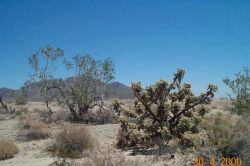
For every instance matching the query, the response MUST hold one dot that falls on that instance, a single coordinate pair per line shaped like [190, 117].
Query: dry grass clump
[101, 117]
[71, 142]
[22, 111]
[32, 129]
[33, 126]
[7, 149]
[96, 117]
[106, 157]
[38, 130]
[112, 157]
[58, 117]
[55, 117]
[26, 118]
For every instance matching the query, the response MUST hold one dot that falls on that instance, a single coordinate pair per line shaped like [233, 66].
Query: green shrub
[228, 133]
[162, 112]
[7, 149]
[21, 100]
[240, 87]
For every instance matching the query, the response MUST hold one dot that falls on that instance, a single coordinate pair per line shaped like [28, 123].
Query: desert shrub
[246, 150]
[240, 87]
[35, 134]
[36, 110]
[214, 107]
[55, 117]
[95, 116]
[101, 117]
[58, 117]
[22, 111]
[71, 142]
[24, 120]
[46, 116]
[37, 130]
[21, 100]
[7, 149]
[162, 112]
[229, 134]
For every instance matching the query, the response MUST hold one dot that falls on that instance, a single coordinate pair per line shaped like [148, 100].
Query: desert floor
[35, 153]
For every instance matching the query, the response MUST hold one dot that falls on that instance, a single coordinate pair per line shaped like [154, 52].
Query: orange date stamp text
[223, 161]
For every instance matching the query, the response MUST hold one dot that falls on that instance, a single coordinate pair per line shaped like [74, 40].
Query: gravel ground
[105, 135]
[33, 153]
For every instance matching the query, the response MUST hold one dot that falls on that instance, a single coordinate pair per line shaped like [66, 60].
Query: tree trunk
[75, 116]
[6, 107]
[48, 107]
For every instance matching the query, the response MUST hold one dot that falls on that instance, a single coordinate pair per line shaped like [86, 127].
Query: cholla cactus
[162, 112]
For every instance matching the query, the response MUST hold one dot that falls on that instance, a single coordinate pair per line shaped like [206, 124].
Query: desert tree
[43, 65]
[84, 91]
[240, 87]
[163, 111]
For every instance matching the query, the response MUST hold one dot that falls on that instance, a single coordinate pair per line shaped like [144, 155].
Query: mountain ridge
[118, 90]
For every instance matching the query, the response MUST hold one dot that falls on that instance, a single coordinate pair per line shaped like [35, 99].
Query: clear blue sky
[147, 40]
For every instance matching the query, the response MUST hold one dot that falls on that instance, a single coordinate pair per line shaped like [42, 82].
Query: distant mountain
[120, 91]
[8, 94]
[117, 90]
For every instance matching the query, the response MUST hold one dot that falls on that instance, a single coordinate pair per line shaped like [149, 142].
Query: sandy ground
[34, 153]
[30, 153]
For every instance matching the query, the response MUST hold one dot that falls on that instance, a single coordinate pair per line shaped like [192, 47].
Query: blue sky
[146, 39]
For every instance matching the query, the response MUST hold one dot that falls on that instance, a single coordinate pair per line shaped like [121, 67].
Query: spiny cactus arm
[117, 106]
[147, 108]
[129, 113]
[202, 99]
[178, 76]
[183, 111]
[142, 98]
[121, 111]
[124, 123]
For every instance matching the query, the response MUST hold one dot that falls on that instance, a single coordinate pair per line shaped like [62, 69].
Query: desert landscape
[35, 151]
[124, 83]
[89, 120]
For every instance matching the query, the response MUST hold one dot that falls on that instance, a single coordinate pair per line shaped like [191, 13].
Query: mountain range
[118, 90]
